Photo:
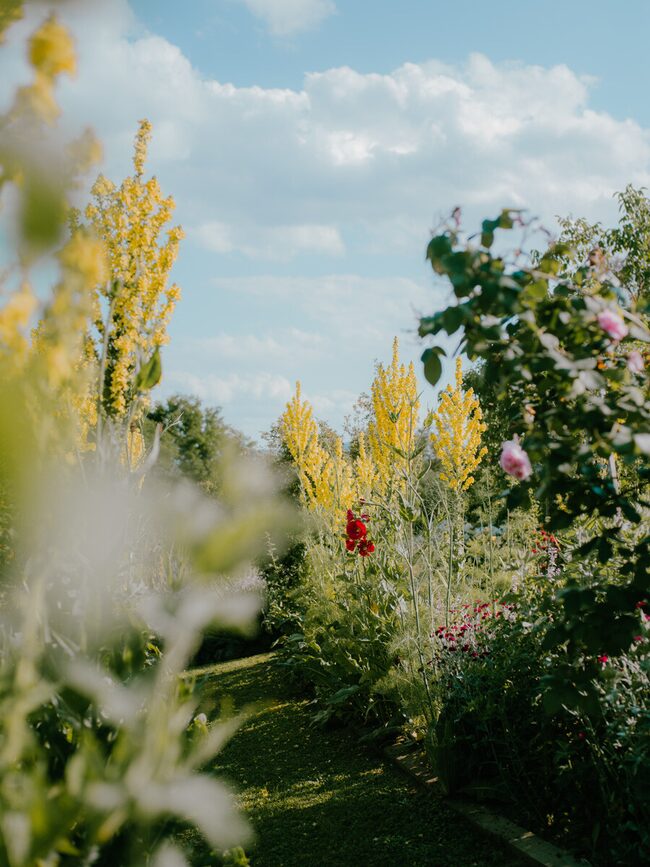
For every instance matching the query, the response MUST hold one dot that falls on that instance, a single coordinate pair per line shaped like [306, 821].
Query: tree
[194, 438]
[622, 251]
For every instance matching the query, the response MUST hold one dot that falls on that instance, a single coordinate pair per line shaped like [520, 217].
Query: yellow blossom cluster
[51, 53]
[83, 397]
[393, 431]
[332, 480]
[62, 357]
[60, 338]
[326, 479]
[134, 448]
[129, 219]
[456, 439]
[10, 11]
[15, 316]
[53, 370]
[26, 149]
[113, 268]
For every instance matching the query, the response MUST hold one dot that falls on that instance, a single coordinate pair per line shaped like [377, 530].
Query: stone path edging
[524, 843]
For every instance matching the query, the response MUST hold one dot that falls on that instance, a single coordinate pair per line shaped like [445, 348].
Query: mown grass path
[317, 799]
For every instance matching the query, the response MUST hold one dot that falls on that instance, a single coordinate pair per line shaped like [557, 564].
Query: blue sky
[311, 146]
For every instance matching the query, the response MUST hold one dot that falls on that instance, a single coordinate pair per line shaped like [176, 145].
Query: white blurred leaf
[105, 796]
[169, 856]
[200, 800]
[119, 704]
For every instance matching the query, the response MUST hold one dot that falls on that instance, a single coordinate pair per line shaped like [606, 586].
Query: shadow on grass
[315, 797]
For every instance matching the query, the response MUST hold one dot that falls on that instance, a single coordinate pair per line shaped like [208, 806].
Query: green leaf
[534, 292]
[505, 220]
[429, 325]
[149, 374]
[487, 231]
[438, 247]
[432, 365]
[453, 319]
[43, 212]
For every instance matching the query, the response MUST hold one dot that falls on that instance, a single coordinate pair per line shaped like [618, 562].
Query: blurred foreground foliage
[109, 575]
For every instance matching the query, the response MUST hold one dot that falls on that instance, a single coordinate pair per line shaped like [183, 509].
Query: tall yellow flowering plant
[456, 438]
[133, 307]
[392, 433]
[47, 368]
[331, 479]
[326, 477]
[411, 540]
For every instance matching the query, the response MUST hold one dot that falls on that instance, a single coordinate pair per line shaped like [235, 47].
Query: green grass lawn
[315, 797]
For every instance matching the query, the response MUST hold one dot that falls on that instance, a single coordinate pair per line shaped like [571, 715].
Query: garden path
[317, 799]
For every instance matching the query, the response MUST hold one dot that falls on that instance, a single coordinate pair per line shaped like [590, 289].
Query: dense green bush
[581, 778]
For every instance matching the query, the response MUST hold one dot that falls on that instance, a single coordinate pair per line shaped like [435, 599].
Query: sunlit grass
[315, 797]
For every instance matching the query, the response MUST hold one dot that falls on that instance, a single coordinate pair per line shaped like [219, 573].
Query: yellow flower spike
[326, 480]
[130, 219]
[85, 152]
[458, 424]
[14, 319]
[51, 49]
[37, 99]
[392, 432]
[342, 477]
[140, 150]
[86, 255]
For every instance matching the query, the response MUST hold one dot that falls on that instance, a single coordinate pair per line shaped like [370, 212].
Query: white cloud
[349, 172]
[286, 17]
[275, 243]
[224, 390]
[339, 401]
[361, 310]
[287, 343]
[351, 157]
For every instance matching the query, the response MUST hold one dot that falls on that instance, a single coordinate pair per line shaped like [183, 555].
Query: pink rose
[635, 362]
[612, 324]
[514, 460]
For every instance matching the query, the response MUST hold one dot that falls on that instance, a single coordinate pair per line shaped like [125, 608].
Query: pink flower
[635, 361]
[612, 324]
[514, 460]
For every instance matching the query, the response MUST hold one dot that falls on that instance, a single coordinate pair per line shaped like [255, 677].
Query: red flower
[355, 528]
[356, 532]
[603, 659]
[366, 547]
